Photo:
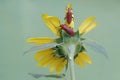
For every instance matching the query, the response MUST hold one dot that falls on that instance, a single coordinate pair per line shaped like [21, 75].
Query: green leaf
[47, 75]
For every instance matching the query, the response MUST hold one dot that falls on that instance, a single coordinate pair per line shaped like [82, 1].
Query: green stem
[72, 72]
[71, 62]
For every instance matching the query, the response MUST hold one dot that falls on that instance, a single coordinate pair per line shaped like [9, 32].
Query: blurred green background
[21, 19]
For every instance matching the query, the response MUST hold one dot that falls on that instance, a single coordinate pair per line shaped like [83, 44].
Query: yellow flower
[58, 57]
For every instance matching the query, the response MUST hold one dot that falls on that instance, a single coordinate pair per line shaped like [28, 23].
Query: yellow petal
[69, 6]
[86, 24]
[49, 62]
[44, 60]
[85, 57]
[60, 66]
[54, 64]
[90, 27]
[53, 23]
[41, 53]
[41, 40]
[79, 61]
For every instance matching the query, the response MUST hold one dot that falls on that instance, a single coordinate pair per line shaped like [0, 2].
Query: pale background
[21, 19]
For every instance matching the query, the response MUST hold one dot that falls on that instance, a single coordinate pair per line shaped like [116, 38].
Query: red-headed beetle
[69, 15]
[67, 29]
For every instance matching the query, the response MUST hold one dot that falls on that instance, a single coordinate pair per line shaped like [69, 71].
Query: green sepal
[81, 34]
[82, 48]
[75, 56]
[66, 37]
[78, 49]
[59, 40]
[81, 38]
[76, 36]
[59, 51]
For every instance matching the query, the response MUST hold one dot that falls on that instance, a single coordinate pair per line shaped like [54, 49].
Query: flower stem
[72, 72]
[71, 62]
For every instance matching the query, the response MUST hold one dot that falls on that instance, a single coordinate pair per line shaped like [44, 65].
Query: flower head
[69, 42]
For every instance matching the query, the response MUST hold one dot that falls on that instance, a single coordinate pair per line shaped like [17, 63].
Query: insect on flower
[65, 49]
[67, 29]
[69, 15]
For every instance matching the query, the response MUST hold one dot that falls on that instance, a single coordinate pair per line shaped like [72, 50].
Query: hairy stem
[72, 72]
[71, 61]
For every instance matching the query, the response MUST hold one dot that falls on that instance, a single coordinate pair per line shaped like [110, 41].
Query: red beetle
[69, 15]
[67, 29]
